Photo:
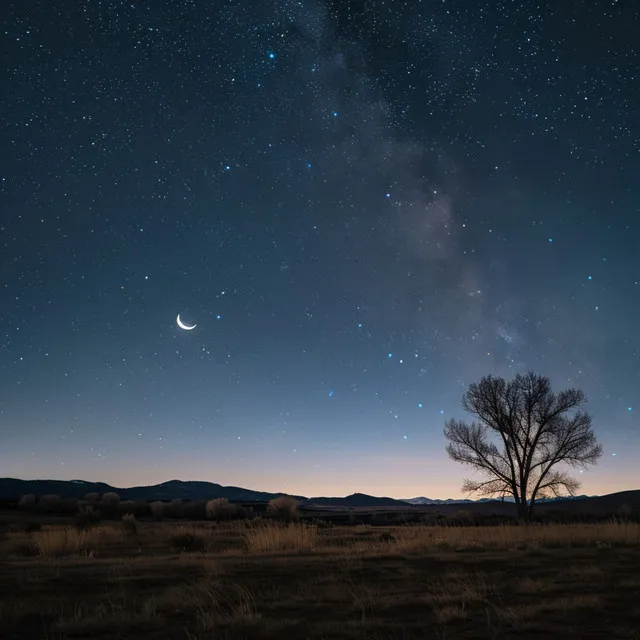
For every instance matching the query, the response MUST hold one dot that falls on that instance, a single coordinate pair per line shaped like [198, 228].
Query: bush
[129, 524]
[195, 510]
[50, 503]
[284, 507]
[220, 509]
[127, 507]
[175, 509]
[157, 509]
[189, 541]
[625, 512]
[86, 518]
[140, 509]
[27, 502]
[111, 497]
[68, 507]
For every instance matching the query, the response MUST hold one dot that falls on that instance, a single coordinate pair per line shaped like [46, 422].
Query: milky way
[364, 207]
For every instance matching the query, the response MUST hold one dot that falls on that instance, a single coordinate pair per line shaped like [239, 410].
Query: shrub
[50, 503]
[157, 509]
[140, 509]
[86, 518]
[110, 498]
[143, 509]
[27, 501]
[92, 497]
[175, 509]
[129, 524]
[220, 509]
[68, 507]
[189, 541]
[195, 509]
[284, 507]
[625, 511]
[109, 505]
[128, 507]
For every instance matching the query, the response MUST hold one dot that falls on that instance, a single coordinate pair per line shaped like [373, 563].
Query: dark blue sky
[364, 206]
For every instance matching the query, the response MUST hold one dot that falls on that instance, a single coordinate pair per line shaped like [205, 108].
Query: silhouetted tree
[534, 432]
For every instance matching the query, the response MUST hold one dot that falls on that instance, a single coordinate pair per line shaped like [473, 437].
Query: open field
[263, 579]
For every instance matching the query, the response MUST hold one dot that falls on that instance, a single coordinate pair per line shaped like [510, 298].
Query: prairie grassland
[287, 581]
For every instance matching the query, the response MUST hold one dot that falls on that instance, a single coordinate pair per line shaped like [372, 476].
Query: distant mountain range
[355, 500]
[14, 488]
[423, 500]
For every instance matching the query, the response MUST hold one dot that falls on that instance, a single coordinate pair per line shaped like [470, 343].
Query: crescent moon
[184, 326]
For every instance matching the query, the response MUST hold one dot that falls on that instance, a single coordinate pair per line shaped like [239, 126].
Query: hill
[13, 488]
[356, 500]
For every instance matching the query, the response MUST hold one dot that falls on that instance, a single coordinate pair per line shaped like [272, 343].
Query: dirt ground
[165, 580]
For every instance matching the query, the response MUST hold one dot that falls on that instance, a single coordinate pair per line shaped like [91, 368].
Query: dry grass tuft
[188, 540]
[212, 603]
[129, 524]
[62, 541]
[534, 585]
[111, 616]
[417, 539]
[273, 537]
[449, 613]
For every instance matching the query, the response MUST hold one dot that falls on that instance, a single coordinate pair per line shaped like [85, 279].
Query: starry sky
[364, 206]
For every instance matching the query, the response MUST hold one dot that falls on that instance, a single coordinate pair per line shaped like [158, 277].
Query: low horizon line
[282, 492]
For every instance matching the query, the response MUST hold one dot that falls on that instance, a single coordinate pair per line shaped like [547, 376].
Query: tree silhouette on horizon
[521, 432]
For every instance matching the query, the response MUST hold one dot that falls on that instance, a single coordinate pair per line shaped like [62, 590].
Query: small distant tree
[27, 502]
[157, 509]
[219, 509]
[109, 504]
[50, 503]
[128, 507]
[92, 498]
[284, 507]
[522, 432]
[175, 509]
[111, 498]
[87, 516]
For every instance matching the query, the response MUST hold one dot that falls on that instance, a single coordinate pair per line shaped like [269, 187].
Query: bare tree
[534, 432]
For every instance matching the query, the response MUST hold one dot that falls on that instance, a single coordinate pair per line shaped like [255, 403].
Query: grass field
[263, 579]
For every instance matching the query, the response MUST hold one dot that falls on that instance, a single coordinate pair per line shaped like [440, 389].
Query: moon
[184, 326]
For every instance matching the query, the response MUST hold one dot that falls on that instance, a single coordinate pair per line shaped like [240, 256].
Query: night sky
[363, 205]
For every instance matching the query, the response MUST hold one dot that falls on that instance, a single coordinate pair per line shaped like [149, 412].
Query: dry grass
[110, 615]
[273, 537]
[421, 538]
[289, 581]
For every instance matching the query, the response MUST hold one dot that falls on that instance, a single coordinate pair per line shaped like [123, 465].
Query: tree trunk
[523, 511]
[531, 509]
